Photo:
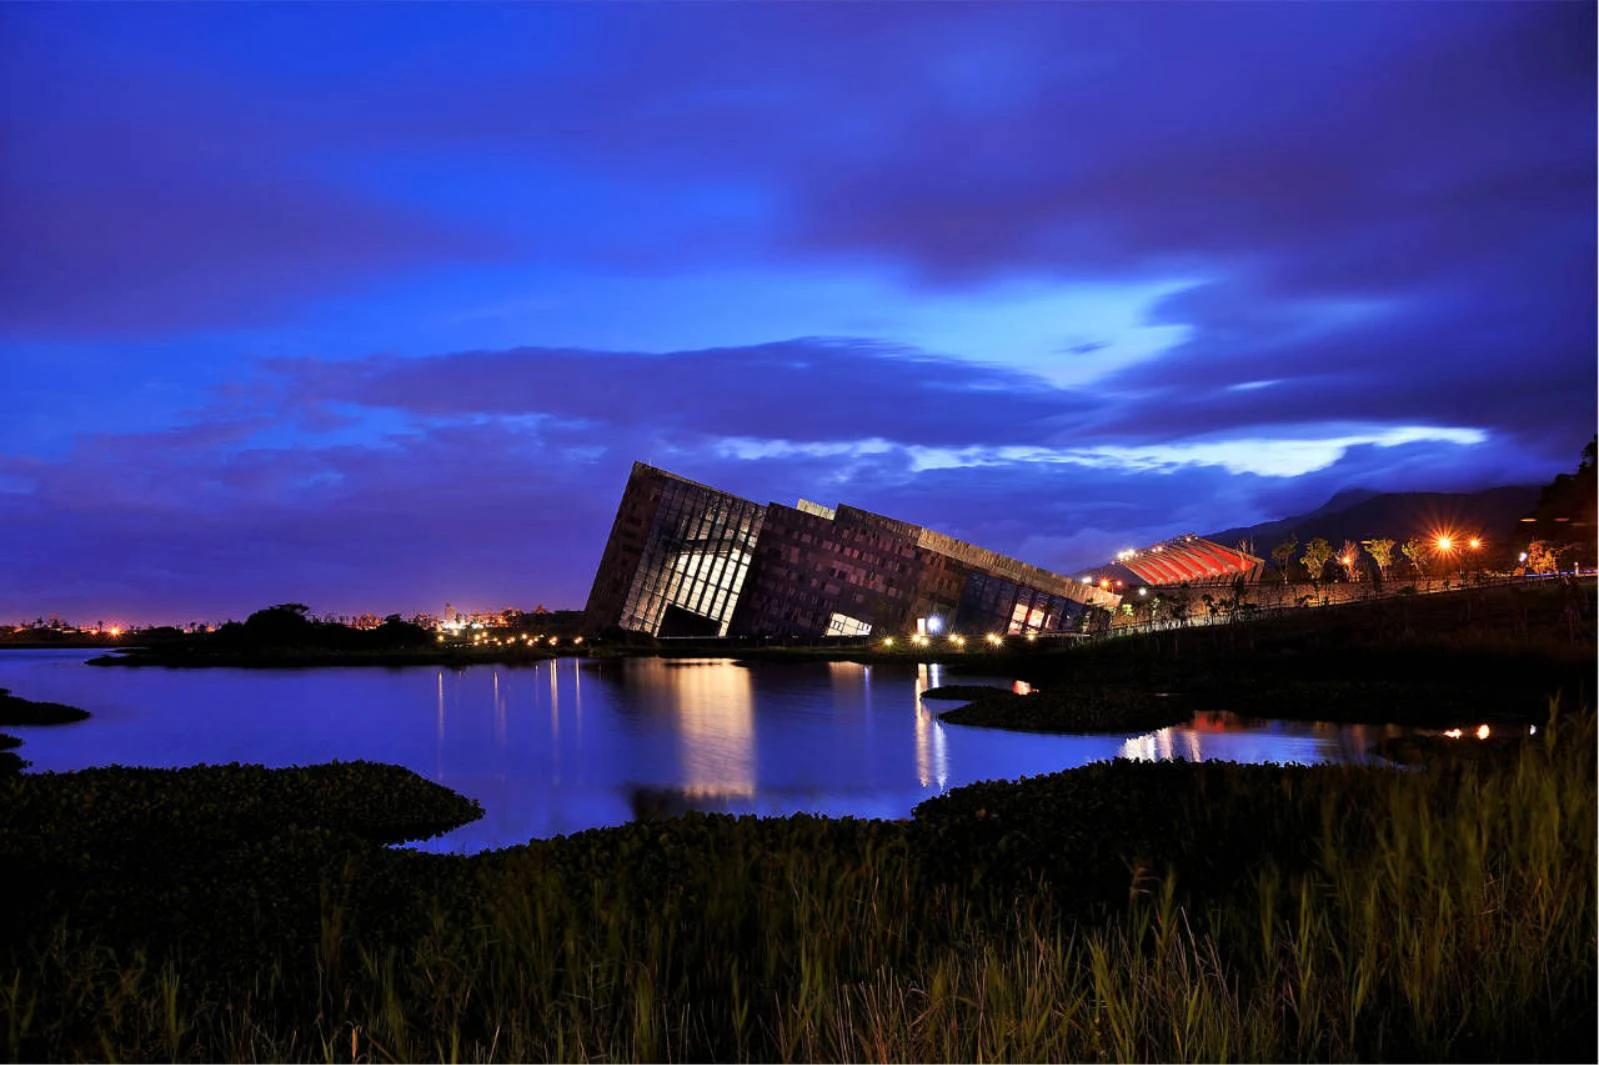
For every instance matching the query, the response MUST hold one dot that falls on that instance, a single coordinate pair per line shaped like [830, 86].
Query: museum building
[687, 560]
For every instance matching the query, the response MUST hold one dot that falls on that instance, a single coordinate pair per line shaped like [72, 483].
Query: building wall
[808, 568]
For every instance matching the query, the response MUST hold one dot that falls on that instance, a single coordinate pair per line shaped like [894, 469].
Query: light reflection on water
[569, 744]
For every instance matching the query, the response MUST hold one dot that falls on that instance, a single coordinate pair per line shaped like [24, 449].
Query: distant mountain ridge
[1360, 514]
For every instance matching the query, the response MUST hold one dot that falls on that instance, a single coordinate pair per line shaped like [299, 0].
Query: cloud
[483, 478]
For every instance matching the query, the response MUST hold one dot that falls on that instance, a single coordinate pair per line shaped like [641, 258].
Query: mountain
[1357, 514]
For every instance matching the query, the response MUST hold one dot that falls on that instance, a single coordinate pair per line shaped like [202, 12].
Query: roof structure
[1189, 559]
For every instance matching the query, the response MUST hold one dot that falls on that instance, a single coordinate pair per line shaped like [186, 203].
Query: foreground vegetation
[1121, 911]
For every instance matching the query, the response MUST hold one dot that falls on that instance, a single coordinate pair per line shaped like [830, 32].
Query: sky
[372, 307]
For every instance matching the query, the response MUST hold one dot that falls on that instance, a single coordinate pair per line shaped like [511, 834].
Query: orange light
[1445, 543]
[116, 630]
[1482, 732]
[1474, 543]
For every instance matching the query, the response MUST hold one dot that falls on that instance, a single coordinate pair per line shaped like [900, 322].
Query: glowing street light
[888, 641]
[1445, 543]
[994, 638]
[1475, 543]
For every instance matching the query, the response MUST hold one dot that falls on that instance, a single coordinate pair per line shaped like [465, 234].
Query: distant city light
[1143, 591]
[935, 624]
[888, 641]
[1482, 732]
[994, 638]
[1474, 543]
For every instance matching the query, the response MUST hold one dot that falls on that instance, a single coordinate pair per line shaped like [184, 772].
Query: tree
[1349, 559]
[1382, 554]
[1416, 551]
[283, 625]
[1283, 555]
[1543, 556]
[1317, 552]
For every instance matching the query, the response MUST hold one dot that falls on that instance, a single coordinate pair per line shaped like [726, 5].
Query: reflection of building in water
[684, 559]
[932, 759]
[715, 708]
[1223, 735]
[848, 677]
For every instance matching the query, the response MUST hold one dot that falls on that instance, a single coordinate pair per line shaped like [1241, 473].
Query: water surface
[572, 744]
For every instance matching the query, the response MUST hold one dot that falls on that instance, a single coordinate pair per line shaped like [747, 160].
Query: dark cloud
[802, 390]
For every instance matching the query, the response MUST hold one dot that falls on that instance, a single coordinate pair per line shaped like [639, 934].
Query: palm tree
[1283, 554]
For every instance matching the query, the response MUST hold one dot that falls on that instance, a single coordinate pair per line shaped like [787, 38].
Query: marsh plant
[1125, 911]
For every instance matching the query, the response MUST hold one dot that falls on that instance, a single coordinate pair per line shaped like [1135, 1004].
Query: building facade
[684, 559]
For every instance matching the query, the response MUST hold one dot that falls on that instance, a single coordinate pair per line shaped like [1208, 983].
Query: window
[844, 625]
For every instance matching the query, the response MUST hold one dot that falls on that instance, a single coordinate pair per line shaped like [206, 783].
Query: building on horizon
[685, 559]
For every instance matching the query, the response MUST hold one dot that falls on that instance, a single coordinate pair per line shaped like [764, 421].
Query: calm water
[569, 745]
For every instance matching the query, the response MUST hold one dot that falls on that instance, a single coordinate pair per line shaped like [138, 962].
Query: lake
[573, 744]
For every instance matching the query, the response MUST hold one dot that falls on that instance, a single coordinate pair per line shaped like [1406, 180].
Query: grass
[1438, 660]
[1164, 912]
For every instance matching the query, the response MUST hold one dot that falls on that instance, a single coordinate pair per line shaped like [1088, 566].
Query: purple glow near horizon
[371, 307]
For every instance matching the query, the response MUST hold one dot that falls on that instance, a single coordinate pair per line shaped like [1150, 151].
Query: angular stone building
[684, 559]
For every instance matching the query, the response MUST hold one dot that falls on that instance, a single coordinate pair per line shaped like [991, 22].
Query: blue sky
[372, 306]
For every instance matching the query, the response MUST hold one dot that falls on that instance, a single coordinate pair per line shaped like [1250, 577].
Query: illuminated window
[843, 625]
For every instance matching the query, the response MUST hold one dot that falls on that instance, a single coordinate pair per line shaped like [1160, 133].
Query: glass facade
[694, 562]
[994, 604]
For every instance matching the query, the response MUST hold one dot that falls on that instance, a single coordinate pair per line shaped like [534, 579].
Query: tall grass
[1443, 914]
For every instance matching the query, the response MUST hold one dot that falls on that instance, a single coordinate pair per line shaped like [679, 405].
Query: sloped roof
[1188, 558]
